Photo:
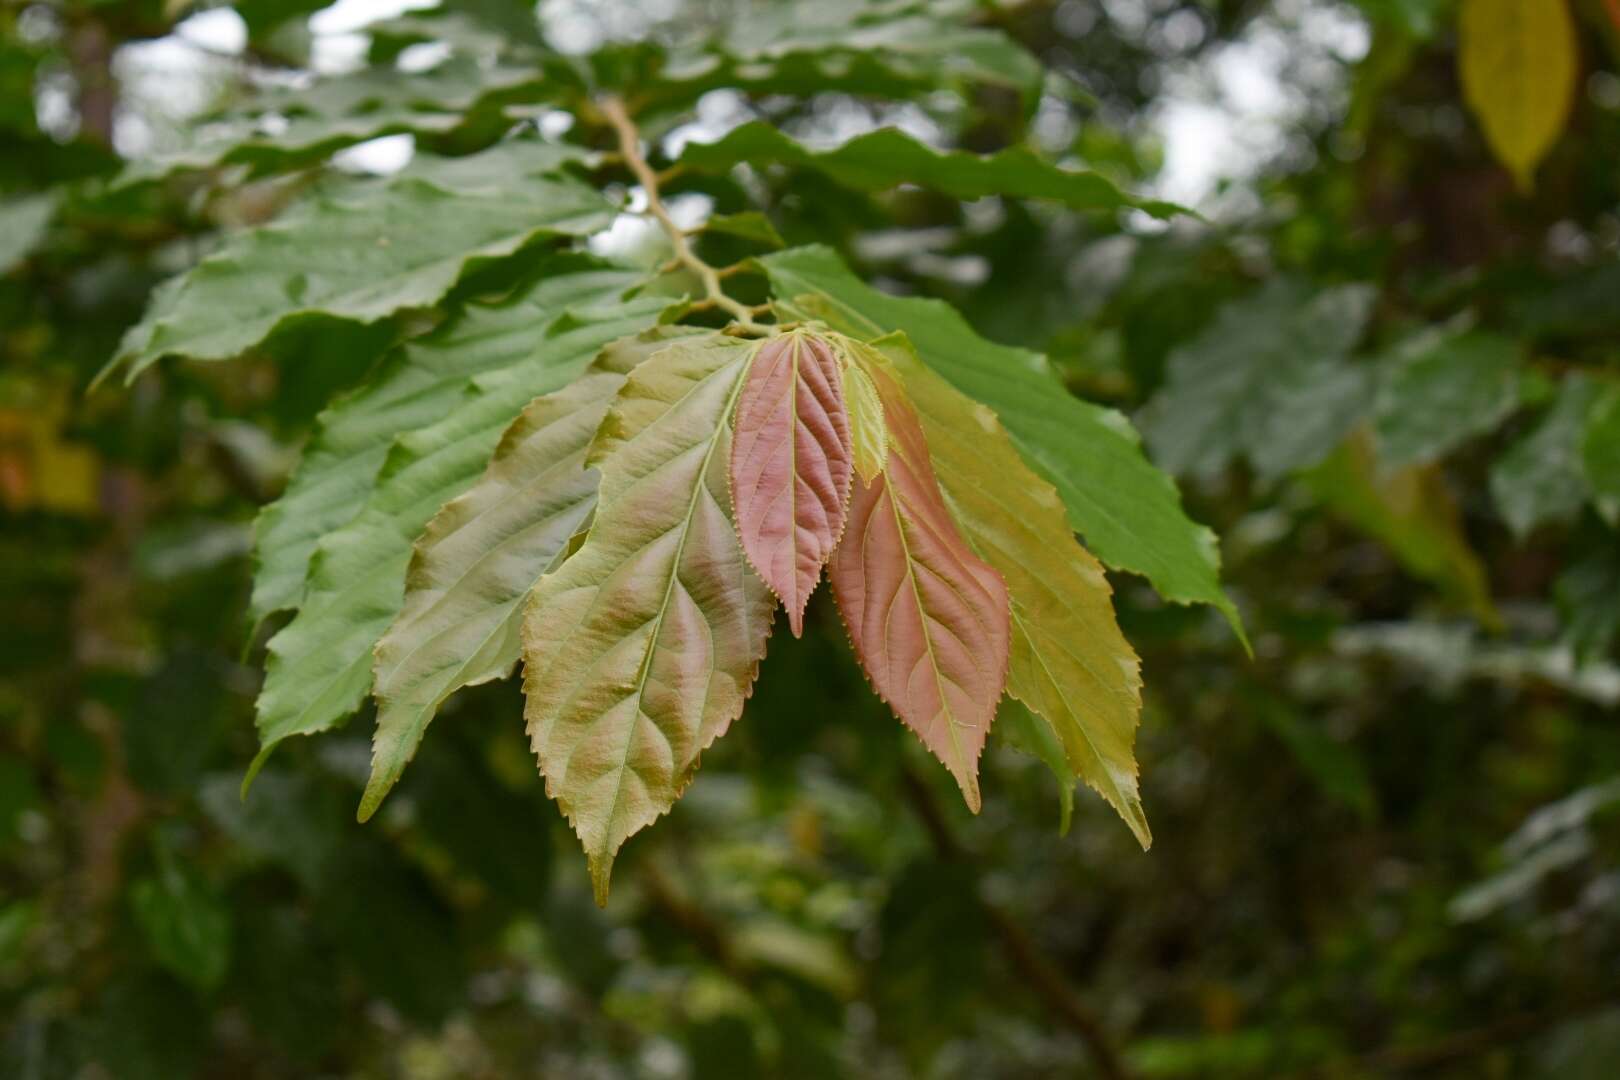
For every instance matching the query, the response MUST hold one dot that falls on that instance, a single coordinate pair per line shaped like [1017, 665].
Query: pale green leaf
[1069, 662]
[359, 251]
[884, 159]
[414, 386]
[484, 551]
[1269, 379]
[319, 667]
[640, 650]
[1129, 512]
[1440, 389]
[869, 435]
[22, 224]
[1541, 477]
[1518, 61]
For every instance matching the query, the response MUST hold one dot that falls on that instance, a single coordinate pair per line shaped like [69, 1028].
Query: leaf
[1269, 379]
[1588, 598]
[186, 925]
[1518, 64]
[748, 225]
[1600, 452]
[791, 466]
[361, 251]
[1412, 512]
[415, 386]
[887, 158]
[22, 224]
[481, 555]
[1443, 387]
[319, 666]
[1541, 477]
[927, 617]
[1025, 731]
[1068, 660]
[869, 435]
[640, 650]
[1128, 511]
[1334, 767]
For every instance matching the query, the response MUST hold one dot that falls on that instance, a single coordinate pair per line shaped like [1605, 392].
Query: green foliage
[664, 297]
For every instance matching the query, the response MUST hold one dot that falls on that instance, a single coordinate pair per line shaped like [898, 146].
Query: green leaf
[1069, 662]
[1588, 597]
[22, 225]
[869, 435]
[640, 650]
[319, 667]
[1269, 380]
[1129, 512]
[1441, 388]
[1334, 767]
[1600, 453]
[1025, 731]
[1519, 64]
[484, 551]
[1411, 510]
[415, 386]
[186, 925]
[359, 251]
[748, 225]
[1541, 477]
[884, 159]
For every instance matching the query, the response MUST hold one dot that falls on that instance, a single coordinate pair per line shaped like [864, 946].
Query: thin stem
[713, 295]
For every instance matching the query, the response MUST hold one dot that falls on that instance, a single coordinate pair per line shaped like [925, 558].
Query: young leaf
[415, 386]
[927, 617]
[791, 465]
[484, 551]
[1069, 662]
[1518, 64]
[1128, 511]
[869, 435]
[640, 649]
[319, 668]
[362, 251]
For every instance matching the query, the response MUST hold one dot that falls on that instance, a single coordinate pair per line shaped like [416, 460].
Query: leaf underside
[640, 650]
[791, 466]
[484, 551]
[928, 618]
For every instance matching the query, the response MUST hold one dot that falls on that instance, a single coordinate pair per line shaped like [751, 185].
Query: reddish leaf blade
[929, 619]
[791, 463]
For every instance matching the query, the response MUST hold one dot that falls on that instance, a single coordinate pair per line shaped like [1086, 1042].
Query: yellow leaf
[867, 429]
[1518, 66]
[1069, 662]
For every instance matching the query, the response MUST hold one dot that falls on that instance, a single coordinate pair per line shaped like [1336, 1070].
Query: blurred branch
[1020, 949]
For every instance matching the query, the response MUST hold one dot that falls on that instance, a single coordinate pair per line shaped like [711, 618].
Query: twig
[613, 110]
[1045, 979]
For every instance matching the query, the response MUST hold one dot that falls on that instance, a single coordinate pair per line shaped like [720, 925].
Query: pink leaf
[929, 619]
[791, 463]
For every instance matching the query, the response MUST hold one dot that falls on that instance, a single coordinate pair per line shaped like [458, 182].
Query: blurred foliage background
[1387, 844]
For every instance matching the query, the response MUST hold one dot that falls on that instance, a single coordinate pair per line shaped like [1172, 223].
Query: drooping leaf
[1269, 379]
[1129, 512]
[640, 649]
[927, 617]
[791, 466]
[415, 386]
[1441, 388]
[1518, 63]
[1600, 452]
[1023, 730]
[360, 251]
[1541, 478]
[1412, 512]
[483, 552]
[883, 159]
[319, 665]
[869, 435]
[1068, 660]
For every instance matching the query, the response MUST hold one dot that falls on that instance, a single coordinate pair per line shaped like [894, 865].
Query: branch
[630, 149]
[1043, 977]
